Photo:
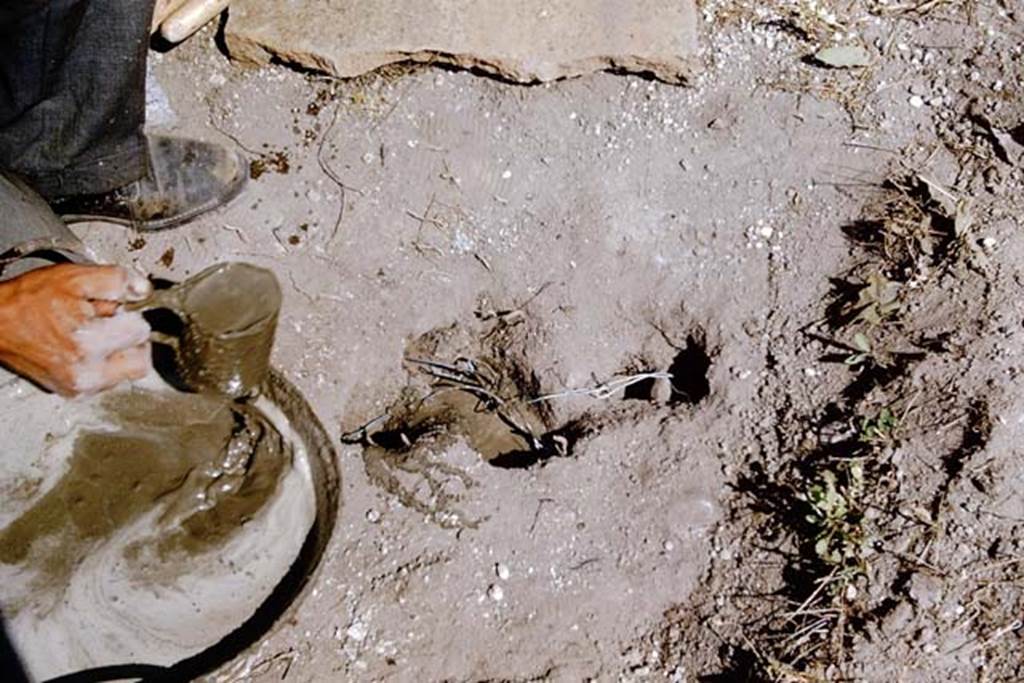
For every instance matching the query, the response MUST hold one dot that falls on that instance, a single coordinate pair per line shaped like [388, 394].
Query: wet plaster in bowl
[144, 525]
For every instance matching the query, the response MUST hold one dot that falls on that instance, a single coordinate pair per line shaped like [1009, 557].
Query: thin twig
[234, 139]
[238, 232]
[321, 160]
[465, 377]
[822, 583]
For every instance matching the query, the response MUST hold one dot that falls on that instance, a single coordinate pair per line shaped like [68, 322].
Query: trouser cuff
[96, 176]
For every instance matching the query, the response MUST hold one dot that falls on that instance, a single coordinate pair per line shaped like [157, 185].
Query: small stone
[507, 174]
[916, 101]
[501, 571]
[357, 631]
[844, 56]
[372, 516]
[496, 593]
[662, 391]
[526, 41]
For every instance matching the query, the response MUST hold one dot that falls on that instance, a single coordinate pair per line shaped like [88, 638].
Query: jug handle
[164, 338]
[161, 298]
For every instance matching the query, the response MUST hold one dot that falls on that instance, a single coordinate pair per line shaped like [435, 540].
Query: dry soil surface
[715, 382]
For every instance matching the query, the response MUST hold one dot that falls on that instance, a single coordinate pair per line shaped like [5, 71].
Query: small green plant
[877, 300]
[835, 502]
[862, 351]
[880, 428]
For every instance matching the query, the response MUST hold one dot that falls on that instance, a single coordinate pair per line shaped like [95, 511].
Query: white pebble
[916, 101]
[502, 571]
[496, 593]
[358, 631]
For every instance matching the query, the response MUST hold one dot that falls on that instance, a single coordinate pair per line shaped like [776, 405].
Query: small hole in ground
[689, 372]
[640, 391]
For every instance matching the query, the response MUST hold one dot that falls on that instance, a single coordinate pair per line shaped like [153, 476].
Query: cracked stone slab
[526, 41]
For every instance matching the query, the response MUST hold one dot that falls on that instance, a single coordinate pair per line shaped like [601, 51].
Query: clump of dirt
[273, 162]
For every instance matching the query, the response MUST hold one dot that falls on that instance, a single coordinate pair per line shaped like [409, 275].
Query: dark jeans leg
[72, 93]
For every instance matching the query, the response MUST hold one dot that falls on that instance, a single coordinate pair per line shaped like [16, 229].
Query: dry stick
[234, 139]
[313, 297]
[822, 583]
[468, 383]
[424, 219]
[448, 372]
[810, 629]
[1012, 626]
[874, 148]
[996, 565]
[238, 232]
[332, 174]
[483, 261]
[505, 313]
[326, 168]
[996, 635]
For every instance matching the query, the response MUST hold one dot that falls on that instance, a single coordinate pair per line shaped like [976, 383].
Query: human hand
[62, 326]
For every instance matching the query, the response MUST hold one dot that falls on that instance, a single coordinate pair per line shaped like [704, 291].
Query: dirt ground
[757, 337]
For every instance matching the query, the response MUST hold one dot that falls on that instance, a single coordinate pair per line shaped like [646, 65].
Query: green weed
[835, 512]
[880, 428]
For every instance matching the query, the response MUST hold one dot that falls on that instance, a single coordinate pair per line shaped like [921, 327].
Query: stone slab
[527, 41]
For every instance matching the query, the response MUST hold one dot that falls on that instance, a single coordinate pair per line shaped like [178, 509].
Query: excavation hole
[689, 371]
[640, 391]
